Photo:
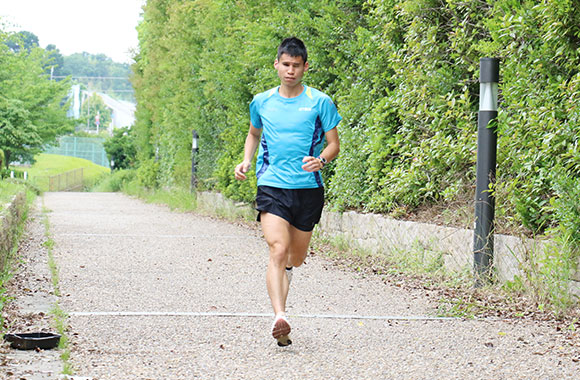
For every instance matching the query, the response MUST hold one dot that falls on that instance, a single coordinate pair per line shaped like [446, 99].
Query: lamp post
[194, 150]
[486, 162]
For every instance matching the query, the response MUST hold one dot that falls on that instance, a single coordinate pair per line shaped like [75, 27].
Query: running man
[290, 124]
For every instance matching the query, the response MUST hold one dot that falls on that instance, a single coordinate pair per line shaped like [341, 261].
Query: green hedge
[404, 75]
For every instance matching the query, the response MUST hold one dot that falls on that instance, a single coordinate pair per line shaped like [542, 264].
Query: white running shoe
[281, 331]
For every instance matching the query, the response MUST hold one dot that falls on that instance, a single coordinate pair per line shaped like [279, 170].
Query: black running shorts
[302, 208]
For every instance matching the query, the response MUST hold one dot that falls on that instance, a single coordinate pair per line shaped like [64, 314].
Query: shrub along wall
[404, 75]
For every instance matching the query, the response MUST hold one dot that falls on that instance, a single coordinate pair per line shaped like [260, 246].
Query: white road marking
[201, 236]
[252, 315]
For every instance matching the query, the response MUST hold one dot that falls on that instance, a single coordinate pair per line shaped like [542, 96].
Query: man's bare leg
[277, 234]
[288, 247]
[299, 242]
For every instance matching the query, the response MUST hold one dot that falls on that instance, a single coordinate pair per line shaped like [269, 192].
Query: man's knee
[278, 252]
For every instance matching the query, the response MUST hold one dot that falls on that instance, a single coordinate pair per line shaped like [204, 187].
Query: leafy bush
[116, 181]
[404, 75]
[147, 174]
[120, 148]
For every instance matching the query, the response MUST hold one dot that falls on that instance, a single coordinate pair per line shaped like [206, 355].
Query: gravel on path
[116, 254]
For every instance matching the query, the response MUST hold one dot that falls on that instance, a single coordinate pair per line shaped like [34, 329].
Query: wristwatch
[323, 160]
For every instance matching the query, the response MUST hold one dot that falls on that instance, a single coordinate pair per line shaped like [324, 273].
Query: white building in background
[122, 112]
[75, 109]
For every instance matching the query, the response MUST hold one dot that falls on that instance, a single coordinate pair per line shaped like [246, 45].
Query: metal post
[194, 149]
[486, 162]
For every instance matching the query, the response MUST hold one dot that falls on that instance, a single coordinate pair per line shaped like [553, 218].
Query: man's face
[290, 69]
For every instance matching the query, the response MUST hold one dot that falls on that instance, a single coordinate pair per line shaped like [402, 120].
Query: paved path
[154, 294]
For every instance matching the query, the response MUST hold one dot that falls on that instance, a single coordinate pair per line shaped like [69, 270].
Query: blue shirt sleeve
[255, 113]
[329, 114]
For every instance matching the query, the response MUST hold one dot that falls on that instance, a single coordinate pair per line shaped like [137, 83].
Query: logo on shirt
[305, 109]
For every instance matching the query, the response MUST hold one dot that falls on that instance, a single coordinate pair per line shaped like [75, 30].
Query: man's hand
[312, 164]
[241, 169]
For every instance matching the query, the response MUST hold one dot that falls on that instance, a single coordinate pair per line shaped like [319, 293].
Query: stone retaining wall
[381, 233]
[10, 216]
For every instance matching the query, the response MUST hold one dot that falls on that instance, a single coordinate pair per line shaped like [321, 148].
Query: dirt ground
[33, 299]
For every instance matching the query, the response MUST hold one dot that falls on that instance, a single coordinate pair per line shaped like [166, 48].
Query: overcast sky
[74, 26]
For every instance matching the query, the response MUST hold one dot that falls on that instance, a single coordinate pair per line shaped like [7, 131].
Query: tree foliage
[120, 148]
[21, 41]
[91, 107]
[32, 109]
[97, 72]
[404, 75]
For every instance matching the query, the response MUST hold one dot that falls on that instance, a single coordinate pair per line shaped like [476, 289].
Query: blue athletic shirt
[292, 128]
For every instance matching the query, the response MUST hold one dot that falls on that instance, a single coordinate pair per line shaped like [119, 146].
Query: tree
[404, 75]
[121, 149]
[93, 106]
[32, 107]
[97, 71]
[22, 41]
[19, 138]
[56, 60]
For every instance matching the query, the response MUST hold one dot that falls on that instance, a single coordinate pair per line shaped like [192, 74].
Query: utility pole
[88, 111]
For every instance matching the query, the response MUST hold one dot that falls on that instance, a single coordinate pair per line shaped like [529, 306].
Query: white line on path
[250, 315]
[204, 236]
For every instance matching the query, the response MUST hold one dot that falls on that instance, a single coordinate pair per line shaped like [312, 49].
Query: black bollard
[486, 162]
[194, 149]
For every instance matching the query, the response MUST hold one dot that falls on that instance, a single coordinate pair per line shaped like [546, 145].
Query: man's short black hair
[294, 47]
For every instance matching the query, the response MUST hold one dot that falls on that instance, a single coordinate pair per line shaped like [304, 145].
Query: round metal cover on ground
[31, 341]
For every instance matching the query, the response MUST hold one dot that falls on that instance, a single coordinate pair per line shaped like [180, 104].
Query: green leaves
[94, 108]
[32, 112]
[404, 75]
[17, 132]
[120, 148]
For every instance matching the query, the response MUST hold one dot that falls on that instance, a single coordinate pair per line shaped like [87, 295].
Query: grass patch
[183, 200]
[124, 181]
[454, 293]
[60, 322]
[546, 274]
[59, 316]
[8, 189]
[228, 210]
[47, 165]
[419, 260]
[416, 268]
[114, 182]
[177, 199]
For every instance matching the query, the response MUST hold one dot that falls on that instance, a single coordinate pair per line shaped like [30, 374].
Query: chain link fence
[67, 181]
[89, 148]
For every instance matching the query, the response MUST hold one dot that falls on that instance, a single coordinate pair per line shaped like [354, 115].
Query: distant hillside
[97, 72]
[94, 72]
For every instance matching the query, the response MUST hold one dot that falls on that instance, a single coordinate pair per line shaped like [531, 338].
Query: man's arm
[250, 146]
[312, 164]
